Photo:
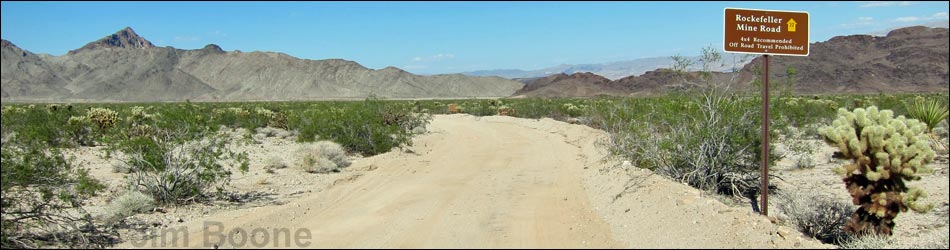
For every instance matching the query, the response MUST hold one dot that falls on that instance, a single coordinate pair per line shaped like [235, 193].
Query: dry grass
[321, 157]
[819, 217]
[128, 204]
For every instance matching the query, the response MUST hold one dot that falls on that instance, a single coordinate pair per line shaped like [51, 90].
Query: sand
[471, 182]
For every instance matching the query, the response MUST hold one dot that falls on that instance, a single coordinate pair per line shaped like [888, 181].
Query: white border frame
[807, 43]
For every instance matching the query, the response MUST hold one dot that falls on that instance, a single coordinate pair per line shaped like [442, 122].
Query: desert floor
[486, 182]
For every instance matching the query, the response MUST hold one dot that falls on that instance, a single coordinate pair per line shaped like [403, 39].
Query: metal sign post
[764, 207]
[765, 32]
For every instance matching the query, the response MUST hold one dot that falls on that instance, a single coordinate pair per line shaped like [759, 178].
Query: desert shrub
[189, 118]
[934, 240]
[121, 167]
[885, 152]
[369, 127]
[930, 112]
[128, 204]
[321, 157]
[275, 162]
[7, 136]
[801, 113]
[38, 125]
[869, 241]
[816, 216]
[42, 197]
[714, 149]
[80, 131]
[177, 171]
[268, 131]
[801, 148]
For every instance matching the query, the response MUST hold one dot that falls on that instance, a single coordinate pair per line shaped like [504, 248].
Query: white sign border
[808, 43]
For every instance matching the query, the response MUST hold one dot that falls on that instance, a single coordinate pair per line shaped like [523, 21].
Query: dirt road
[491, 182]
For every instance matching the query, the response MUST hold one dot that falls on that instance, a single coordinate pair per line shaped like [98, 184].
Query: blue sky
[435, 37]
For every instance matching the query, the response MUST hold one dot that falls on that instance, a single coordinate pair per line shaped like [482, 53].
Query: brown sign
[769, 32]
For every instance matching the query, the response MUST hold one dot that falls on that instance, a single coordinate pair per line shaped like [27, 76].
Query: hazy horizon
[435, 37]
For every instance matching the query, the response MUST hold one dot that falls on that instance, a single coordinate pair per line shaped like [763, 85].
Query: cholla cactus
[506, 110]
[264, 112]
[103, 117]
[141, 130]
[12, 110]
[573, 110]
[886, 151]
[274, 119]
[233, 110]
[52, 107]
[138, 116]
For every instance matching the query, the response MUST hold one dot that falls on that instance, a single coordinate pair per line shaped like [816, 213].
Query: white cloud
[412, 67]
[885, 4]
[186, 38]
[433, 58]
[936, 16]
[860, 23]
[907, 19]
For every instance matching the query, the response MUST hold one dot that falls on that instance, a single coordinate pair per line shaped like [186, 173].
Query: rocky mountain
[125, 38]
[650, 83]
[913, 59]
[126, 67]
[615, 70]
[560, 85]
[25, 74]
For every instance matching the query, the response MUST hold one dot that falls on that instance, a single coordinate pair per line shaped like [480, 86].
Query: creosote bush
[174, 170]
[885, 152]
[712, 146]
[42, 196]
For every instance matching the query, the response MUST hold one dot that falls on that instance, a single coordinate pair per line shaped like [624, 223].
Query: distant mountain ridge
[125, 67]
[912, 59]
[615, 70]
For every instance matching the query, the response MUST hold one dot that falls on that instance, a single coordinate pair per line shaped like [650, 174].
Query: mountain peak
[124, 38]
[213, 48]
[6, 43]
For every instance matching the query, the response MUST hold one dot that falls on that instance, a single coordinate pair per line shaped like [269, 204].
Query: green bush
[42, 194]
[709, 141]
[176, 171]
[369, 127]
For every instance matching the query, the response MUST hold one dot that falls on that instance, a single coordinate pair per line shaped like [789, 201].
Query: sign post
[765, 32]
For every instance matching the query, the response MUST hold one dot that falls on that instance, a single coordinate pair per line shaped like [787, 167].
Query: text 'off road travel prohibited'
[766, 32]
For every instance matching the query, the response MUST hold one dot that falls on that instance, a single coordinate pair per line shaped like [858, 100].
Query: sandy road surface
[470, 184]
[491, 182]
